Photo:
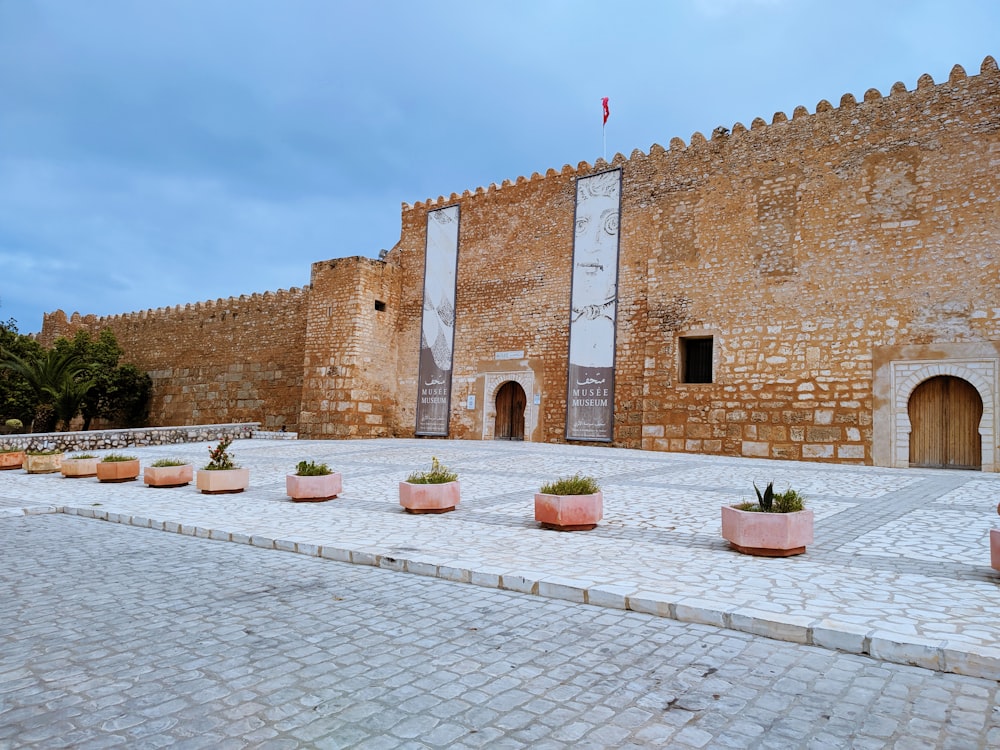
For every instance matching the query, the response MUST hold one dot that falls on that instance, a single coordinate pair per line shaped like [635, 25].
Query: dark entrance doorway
[944, 416]
[510, 405]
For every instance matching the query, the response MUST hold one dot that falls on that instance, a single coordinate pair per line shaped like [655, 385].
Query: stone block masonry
[231, 360]
[801, 264]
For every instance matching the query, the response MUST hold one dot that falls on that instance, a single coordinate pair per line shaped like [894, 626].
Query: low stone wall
[275, 435]
[111, 439]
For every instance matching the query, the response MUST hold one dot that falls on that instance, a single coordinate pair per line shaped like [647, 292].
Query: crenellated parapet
[220, 308]
[722, 137]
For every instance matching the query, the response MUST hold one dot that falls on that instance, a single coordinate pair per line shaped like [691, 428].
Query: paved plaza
[148, 637]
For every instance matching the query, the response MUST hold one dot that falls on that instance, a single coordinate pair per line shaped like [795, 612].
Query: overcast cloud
[158, 153]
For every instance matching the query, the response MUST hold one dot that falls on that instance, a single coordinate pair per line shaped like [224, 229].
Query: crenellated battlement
[59, 320]
[848, 106]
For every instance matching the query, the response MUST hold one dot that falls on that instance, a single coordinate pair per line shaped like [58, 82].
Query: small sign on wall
[470, 401]
[509, 355]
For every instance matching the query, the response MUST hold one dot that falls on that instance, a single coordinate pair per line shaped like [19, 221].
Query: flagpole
[604, 128]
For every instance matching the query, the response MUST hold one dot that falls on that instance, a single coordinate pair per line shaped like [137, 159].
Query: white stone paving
[658, 549]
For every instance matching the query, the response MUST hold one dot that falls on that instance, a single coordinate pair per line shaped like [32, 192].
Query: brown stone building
[823, 287]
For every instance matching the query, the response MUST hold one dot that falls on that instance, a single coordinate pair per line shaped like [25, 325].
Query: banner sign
[590, 402]
[437, 330]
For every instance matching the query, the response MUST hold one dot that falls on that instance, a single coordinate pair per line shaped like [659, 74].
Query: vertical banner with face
[437, 331]
[590, 404]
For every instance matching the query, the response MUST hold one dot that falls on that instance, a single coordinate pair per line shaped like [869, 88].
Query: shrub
[439, 474]
[117, 457]
[162, 463]
[14, 424]
[81, 456]
[312, 469]
[219, 456]
[55, 452]
[770, 501]
[574, 485]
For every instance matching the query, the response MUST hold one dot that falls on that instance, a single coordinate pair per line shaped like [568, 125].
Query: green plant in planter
[770, 501]
[574, 485]
[10, 450]
[163, 463]
[312, 469]
[439, 474]
[117, 457]
[220, 458]
[44, 453]
[81, 456]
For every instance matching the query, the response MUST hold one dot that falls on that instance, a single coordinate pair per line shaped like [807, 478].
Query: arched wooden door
[944, 424]
[510, 405]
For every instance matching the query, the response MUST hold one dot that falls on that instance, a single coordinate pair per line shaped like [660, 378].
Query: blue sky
[158, 153]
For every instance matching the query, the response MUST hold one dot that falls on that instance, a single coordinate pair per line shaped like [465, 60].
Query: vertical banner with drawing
[590, 401]
[437, 329]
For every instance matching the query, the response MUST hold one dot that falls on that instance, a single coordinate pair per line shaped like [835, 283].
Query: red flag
[604, 101]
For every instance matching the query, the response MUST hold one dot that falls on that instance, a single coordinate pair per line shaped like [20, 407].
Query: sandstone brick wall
[349, 361]
[231, 360]
[807, 248]
[800, 246]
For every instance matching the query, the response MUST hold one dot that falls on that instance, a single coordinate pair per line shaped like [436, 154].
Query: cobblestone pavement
[900, 567]
[126, 637]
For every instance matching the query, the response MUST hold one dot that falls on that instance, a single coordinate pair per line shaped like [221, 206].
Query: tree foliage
[76, 376]
[17, 398]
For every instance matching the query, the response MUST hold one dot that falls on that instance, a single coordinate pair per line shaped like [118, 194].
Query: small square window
[379, 305]
[696, 359]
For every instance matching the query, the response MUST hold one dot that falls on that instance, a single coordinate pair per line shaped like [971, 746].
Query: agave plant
[770, 501]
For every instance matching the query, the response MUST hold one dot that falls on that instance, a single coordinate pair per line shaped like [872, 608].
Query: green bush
[439, 474]
[117, 457]
[162, 463]
[312, 469]
[574, 485]
[81, 456]
[769, 501]
[44, 453]
[220, 458]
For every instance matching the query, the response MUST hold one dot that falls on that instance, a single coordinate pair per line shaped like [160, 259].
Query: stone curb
[938, 655]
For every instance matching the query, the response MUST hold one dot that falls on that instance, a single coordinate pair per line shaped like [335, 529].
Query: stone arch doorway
[510, 403]
[945, 412]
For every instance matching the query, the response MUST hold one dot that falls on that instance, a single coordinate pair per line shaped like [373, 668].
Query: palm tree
[55, 378]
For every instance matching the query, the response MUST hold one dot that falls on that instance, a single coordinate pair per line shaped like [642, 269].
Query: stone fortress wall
[833, 258]
[228, 360]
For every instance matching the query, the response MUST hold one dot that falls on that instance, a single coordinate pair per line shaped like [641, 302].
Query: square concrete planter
[11, 460]
[569, 512]
[429, 498]
[767, 534]
[314, 489]
[43, 463]
[118, 471]
[168, 476]
[73, 468]
[222, 481]
[995, 549]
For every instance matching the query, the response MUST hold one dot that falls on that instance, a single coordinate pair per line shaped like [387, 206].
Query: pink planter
[222, 481]
[314, 489]
[429, 498]
[569, 512]
[767, 534]
[47, 463]
[995, 549]
[11, 460]
[73, 468]
[168, 476]
[118, 471]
